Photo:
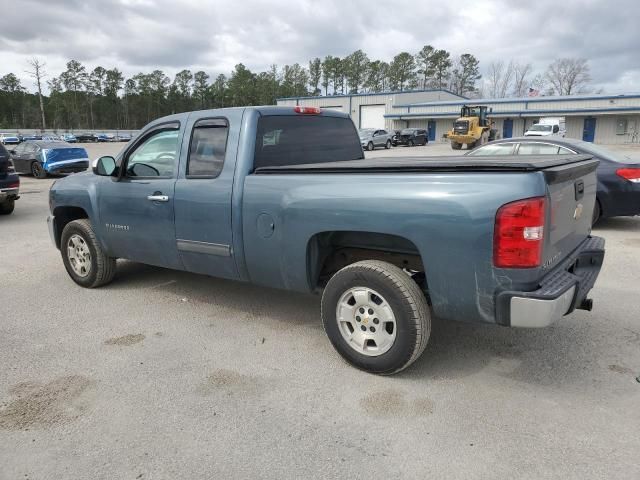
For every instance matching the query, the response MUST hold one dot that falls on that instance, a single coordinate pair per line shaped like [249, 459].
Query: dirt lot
[168, 375]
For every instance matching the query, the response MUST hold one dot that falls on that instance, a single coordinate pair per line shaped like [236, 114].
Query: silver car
[371, 138]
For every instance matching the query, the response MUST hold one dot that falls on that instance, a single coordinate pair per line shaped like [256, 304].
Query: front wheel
[411, 143]
[82, 255]
[376, 316]
[388, 145]
[370, 146]
[38, 170]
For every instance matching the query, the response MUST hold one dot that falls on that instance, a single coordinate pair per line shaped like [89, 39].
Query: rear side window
[207, 148]
[300, 139]
[493, 149]
[537, 149]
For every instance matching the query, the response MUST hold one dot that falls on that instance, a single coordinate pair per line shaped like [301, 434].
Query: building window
[621, 126]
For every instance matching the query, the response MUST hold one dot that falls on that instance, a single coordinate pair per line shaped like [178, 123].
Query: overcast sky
[143, 35]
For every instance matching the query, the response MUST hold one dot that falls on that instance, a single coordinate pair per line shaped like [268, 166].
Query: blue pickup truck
[283, 197]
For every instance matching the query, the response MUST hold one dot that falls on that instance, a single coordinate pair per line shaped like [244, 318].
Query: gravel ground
[165, 375]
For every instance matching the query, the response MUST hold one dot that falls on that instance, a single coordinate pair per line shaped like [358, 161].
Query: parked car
[30, 137]
[86, 137]
[9, 183]
[40, 158]
[106, 137]
[370, 138]
[395, 136]
[123, 137]
[69, 138]
[50, 138]
[413, 136]
[546, 127]
[9, 138]
[293, 204]
[618, 188]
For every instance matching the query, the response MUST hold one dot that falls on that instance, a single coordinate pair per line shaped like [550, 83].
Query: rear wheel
[388, 145]
[7, 207]
[370, 146]
[82, 255]
[37, 170]
[597, 213]
[376, 316]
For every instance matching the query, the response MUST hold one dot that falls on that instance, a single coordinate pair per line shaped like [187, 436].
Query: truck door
[137, 210]
[203, 196]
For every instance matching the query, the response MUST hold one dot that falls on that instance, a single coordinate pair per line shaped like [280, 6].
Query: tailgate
[571, 191]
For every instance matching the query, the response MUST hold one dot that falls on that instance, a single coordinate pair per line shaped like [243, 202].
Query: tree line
[103, 98]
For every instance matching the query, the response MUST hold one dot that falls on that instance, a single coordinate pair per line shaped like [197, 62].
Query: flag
[533, 92]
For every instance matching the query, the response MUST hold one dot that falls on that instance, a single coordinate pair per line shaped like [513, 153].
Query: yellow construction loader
[472, 129]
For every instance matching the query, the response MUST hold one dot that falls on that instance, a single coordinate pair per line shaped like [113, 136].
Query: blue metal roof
[347, 95]
[517, 113]
[493, 101]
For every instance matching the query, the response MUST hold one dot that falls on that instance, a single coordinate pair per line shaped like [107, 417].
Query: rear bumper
[71, 167]
[9, 193]
[559, 293]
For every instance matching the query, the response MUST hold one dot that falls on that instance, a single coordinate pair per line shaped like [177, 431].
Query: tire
[411, 143]
[7, 207]
[597, 213]
[100, 268]
[37, 171]
[411, 324]
[370, 146]
[456, 145]
[387, 145]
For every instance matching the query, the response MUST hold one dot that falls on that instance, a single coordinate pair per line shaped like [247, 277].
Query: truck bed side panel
[449, 217]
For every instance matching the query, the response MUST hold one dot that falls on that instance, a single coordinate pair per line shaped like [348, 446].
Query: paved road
[165, 375]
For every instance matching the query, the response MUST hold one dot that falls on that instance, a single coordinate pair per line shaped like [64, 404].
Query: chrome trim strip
[204, 247]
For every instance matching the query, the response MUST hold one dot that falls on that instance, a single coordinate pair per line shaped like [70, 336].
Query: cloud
[143, 35]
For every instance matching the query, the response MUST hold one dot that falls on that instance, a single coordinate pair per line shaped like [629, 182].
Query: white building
[607, 119]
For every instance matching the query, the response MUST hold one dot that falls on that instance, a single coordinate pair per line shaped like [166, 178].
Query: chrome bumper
[560, 292]
[9, 192]
[537, 313]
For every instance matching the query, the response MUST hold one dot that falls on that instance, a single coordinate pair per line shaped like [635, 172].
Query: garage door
[337, 109]
[372, 116]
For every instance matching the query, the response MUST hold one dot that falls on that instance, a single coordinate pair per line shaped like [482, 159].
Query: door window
[207, 148]
[155, 157]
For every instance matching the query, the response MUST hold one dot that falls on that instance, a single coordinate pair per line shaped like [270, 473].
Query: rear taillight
[519, 234]
[631, 174]
[307, 110]
[14, 184]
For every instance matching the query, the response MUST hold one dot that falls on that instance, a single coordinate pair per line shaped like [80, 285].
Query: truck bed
[509, 163]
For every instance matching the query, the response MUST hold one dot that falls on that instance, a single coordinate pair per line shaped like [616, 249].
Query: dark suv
[9, 183]
[413, 136]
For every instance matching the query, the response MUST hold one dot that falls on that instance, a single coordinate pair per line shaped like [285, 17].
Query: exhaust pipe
[587, 304]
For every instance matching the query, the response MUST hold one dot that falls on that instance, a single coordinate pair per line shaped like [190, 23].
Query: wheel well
[64, 215]
[328, 252]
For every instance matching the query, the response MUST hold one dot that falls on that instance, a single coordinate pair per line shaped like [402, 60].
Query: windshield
[407, 131]
[540, 128]
[366, 132]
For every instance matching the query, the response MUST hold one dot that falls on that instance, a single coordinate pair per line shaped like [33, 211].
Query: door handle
[157, 197]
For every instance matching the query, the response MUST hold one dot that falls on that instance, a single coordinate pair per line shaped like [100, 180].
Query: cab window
[207, 148]
[155, 156]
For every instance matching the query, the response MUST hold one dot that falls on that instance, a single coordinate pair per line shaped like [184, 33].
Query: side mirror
[104, 166]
